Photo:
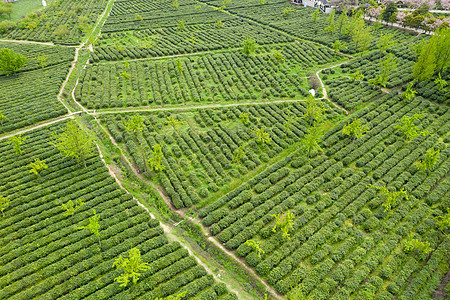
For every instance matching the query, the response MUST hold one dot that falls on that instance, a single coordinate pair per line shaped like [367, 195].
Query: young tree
[219, 24]
[175, 4]
[2, 118]
[249, 46]
[287, 11]
[244, 118]
[361, 35]
[385, 42]
[343, 19]
[409, 94]
[441, 39]
[289, 121]
[284, 222]
[180, 65]
[72, 208]
[391, 197]
[314, 111]
[62, 31]
[4, 203]
[315, 15]
[408, 128]
[239, 153]
[37, 166]
[357, 76]
[331, 22]
[441, 83]
[42, 59]
[387, 66]
[134, 124]
[93, 226]
[414, 244]
[278, 57]
[155, 161]
[338, 45]
[261, 135]
[74, 142]
[130, 267]
[256, 246]
[10, 61]
[174, 122]
[425, 65]
[355, 129]
[17, 141]
[312, 139]
[181, 25]
[443, 221]
[430, 160]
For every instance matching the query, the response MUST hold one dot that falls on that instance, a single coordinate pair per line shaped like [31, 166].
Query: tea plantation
[224, 149]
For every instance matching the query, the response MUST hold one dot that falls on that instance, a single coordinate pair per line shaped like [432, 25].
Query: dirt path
[440, 292]
[32, 42]
[182, 214]
[40, 125]
[325, 95]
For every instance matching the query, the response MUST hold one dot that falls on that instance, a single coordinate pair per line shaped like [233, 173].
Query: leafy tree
[179, 66]
[408, 128]
[262, 2]
[4, 203]
[72, 208]
[175, 4]
[134, 124]
[387, 66]
[439, 81]
[443, 221]
[278, 56]
[441, 39]
[355, 129]
[430, 160]
[261, 135]
[312, 139]
[219, 24]
[284, 222]
[331, 22]
[413, 244]
[425, 65]
[181, 25]
[391, 197]
[6, 25]
[174, 122]
[17, 141]
[37, 166]
[389, 12]
[314, 111]
[2, 118]
[42, 59]
[130, 267]
[338, 45]
[315, 15]
[239, 153]
[361, 35]
[6, 8]
[244, 118]
[409, 94]
[249, 46]
[155, 160]
[138, 17]
[10, 61]
[287, 11]
[73, 142]
[125, 76]
[357, 76]
[93, 226]
[255, 246]
[385, 42]
[343, 19]
[290, 121]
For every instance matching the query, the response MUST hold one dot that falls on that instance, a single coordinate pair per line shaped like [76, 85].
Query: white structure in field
[324, 5]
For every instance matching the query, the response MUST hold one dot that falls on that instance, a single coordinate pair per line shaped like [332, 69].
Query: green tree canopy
[10, 61]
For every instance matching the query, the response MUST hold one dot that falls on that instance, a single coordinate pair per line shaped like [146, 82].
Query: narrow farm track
[182, 214]
[33, 42]
[168, 230]
[40, 125]
[325, 95]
